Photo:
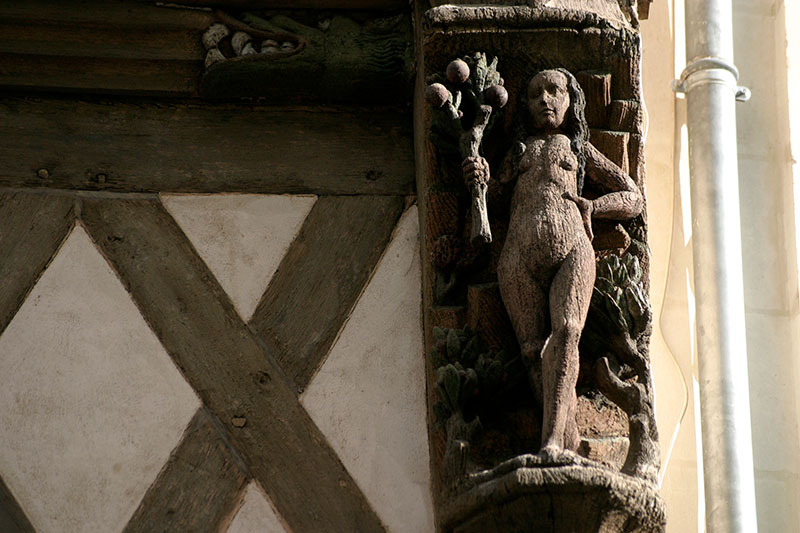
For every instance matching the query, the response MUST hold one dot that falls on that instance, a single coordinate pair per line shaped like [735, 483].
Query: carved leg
[570, 294]
[527, 307]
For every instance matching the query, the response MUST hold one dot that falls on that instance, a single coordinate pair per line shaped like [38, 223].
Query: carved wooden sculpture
[546, 270]
[542, 396]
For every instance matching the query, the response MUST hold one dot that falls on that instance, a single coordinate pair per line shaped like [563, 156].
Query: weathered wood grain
[168, 147]
[123, 47]
[199, 486]
[120, 14]
[625, 116]
[32, 227]
[487, 314]
[229, 367]
[597, 88]
[12, 517]
[99, 75]
[636, 159]
[443, 216]
[320, 278]
[302, 4]
[613, 145]
[60, 42]
[452, 317]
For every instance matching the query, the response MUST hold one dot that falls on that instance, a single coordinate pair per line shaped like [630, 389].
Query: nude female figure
[546, 269]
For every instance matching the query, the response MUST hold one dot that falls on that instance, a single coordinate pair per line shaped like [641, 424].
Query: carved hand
[476, 170]
[586, 207]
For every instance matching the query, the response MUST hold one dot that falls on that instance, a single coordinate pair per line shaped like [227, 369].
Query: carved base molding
[527, 494]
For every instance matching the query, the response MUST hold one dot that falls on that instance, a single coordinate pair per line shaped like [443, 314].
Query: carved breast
[544, 225]
[549, 159]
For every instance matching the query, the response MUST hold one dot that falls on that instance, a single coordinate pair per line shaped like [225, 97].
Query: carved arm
[625, 201]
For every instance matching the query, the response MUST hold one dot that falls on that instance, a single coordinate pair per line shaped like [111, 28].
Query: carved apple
[437, 94]
[457, 71]
[496, 96]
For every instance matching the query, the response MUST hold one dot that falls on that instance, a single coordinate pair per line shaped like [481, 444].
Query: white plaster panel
[759, 121]
[776, 501]
[764, 244]
[91, 404]
[772, 392]
[241, 237]
[369, 396]
[256, 515]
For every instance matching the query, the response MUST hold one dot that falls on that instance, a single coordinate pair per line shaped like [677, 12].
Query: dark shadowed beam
[91, 75]
[12, 517]
[110, 47]
[321, 277]
[198, 488]
[228, 366]
[142, 147]
[393, 5]
[32, 228]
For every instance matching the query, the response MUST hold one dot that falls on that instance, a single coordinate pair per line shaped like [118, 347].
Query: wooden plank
[229, 367]
[487, 314]
[123, 15]
[100, 75]
[392, 5]
[198, 488]
[643, 8]
[597, 88]
[636, 160]
[118, 47]
[613, 145]
[60, 41]
[625, 116]
[320, 278]
[32, 228]
[12, 517]
[179, 147]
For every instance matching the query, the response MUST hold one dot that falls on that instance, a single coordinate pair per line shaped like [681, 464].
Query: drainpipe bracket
[711, 70]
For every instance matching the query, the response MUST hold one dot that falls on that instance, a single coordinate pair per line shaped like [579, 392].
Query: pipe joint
[706, 70]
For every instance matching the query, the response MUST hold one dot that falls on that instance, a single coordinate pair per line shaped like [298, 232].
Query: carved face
[548, 99]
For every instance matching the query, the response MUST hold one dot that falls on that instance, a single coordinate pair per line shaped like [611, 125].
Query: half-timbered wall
[210, 311]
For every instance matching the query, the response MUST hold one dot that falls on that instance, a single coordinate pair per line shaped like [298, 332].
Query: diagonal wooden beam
[321, 277]
[32, 228]
[12, 517]
[228, 366]
[198, 488]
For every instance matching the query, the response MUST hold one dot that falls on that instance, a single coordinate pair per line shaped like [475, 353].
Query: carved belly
[543, 230]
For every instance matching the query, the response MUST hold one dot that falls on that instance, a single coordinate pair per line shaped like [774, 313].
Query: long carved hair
[574, 126]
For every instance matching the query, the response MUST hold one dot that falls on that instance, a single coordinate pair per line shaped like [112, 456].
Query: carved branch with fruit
[463, 102]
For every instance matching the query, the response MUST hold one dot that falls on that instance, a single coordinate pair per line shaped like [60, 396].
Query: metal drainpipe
[709, 82]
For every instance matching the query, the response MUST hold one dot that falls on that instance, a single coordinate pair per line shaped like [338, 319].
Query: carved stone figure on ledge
[546, 270]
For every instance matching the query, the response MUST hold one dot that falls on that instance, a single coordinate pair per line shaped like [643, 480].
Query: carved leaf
[452, 386]
[453, 346]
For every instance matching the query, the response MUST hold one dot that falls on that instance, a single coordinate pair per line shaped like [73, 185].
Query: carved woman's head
[555, 101]
[548, 99]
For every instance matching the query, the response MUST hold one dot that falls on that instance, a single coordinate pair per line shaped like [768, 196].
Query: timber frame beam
[140, 146]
